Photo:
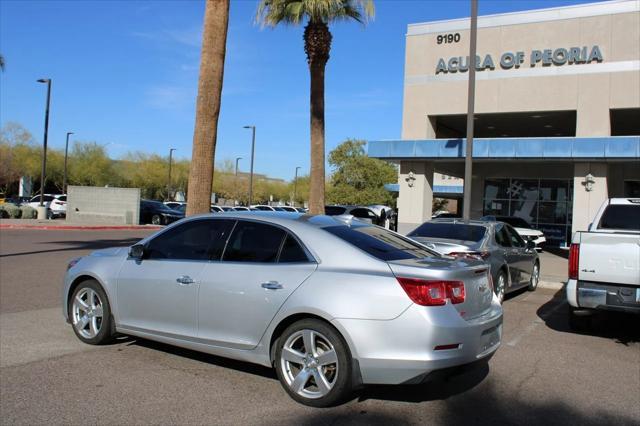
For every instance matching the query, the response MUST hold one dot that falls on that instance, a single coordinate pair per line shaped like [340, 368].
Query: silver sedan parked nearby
[514, 262]
[330, 305]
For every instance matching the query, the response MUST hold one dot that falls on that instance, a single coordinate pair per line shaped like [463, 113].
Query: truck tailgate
[609, 257]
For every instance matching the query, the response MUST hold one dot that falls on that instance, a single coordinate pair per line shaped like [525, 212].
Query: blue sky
[125, 75]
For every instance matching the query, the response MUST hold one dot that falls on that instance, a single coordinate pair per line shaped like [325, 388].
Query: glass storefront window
[545, 203]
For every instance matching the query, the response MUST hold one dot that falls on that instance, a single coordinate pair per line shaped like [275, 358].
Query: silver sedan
[330, 304]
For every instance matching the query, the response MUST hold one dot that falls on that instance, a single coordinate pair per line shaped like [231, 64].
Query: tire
[299, 369]
[535, 277]
[501, 286]
[156, 219]
[90, 313]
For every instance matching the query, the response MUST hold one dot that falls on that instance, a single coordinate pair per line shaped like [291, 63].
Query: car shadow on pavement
[618, 326]
[440, 385]
[79, 245]
[241, 366]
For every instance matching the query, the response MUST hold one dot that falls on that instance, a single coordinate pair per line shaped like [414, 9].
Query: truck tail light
[433, 293]
[574, 260]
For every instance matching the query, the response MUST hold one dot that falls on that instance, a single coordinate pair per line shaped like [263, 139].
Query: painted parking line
[534, 324]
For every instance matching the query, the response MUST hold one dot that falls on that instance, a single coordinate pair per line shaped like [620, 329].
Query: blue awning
[437, 189]
[574, 148]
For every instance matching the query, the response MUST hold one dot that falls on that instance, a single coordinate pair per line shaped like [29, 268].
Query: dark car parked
[364, 214]
[514, 262]
[156, 213]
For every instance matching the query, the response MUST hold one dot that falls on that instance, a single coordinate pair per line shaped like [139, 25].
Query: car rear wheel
[156, 219]
[313, 364]
[535, 277]
[501, 286]
[90, 313]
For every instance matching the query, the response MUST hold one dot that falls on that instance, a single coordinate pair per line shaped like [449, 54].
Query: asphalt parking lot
[543, 373]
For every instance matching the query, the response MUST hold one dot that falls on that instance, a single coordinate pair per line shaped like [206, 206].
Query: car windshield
[514, 221]
[450, 231]
[334, 210]
[379, 242]
[156, 205]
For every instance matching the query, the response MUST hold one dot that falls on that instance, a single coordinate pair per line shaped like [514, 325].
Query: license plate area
[489, 340]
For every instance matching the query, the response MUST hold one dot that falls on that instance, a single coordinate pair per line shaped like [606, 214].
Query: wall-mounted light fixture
[410, 179]
[589, 181]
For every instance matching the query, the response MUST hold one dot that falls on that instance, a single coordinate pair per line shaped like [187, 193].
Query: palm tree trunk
[316, 181]
[214, 40]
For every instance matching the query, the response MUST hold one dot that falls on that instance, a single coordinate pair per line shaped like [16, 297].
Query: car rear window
[450, 231]
[514, 221]
[379, 242]
[621, 216]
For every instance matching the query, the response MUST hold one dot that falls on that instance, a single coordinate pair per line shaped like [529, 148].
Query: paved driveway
[542, 374]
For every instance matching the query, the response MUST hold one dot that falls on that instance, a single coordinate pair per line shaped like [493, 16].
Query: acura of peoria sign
[509, 60]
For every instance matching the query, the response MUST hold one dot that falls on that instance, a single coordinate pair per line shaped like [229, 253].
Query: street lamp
[66, 152]
[237, 159]
[253, 145]
[44, 145]
[169, 180]
[295, 186]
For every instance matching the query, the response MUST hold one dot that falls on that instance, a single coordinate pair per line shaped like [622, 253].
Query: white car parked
[56, 204]
[522, 227]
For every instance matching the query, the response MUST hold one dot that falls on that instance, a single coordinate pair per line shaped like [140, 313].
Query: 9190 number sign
[448, 38]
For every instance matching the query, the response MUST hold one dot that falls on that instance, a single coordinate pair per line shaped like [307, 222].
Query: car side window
[516, 239]
[363, 213]
[254, 242]
[193, 240]
[292, 251]
[502, 236]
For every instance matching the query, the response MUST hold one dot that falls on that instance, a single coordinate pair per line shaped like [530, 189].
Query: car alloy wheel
[535, 277]
[310, 364]
[501, 285]
[156, 220]
[87, 313]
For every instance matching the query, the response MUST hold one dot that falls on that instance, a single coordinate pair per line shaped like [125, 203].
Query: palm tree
[317, 44]
[214, 40]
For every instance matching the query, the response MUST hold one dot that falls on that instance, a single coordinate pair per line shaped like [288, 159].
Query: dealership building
[557, 115]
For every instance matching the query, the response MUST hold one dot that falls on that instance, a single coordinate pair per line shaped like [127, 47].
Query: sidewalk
[61, 224]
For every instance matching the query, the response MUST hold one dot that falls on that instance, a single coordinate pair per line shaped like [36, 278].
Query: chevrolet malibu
[331, 304]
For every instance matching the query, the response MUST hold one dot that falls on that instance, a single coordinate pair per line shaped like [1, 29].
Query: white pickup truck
[604, 263]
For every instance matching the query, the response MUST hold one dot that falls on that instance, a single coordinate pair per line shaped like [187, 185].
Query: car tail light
[471, 254]
[433, 293]
[574, 259]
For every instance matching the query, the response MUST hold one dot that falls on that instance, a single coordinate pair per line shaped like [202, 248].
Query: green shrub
[11, 211]
[28, 212]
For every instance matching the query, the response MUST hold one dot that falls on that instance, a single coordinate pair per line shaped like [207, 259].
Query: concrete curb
[553, 285]
[82, 228]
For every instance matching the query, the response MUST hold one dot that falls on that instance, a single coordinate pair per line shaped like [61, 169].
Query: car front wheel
[313, 364]
[90, 313]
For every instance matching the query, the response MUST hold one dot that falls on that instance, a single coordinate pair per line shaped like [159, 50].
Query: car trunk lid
[473, 273]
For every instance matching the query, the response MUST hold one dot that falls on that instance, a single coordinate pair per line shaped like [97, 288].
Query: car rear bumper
[612, 297]
[403, 350]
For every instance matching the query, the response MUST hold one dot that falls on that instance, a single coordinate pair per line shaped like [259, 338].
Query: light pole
[295, 186]
[66, 152]
[253, 146]
[237, 159]
[466, 201]
[169, 180]
[44, 145]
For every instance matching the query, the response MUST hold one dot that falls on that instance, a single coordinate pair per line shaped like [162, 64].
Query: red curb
[82, 228]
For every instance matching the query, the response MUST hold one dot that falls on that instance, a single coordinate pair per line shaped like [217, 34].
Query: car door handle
[185, 280]
[272, 285]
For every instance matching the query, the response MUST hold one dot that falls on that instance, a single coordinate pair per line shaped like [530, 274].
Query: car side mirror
[136, 251]
[531, 245]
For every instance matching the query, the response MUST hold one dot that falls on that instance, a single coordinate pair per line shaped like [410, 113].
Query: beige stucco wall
[591, 94]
